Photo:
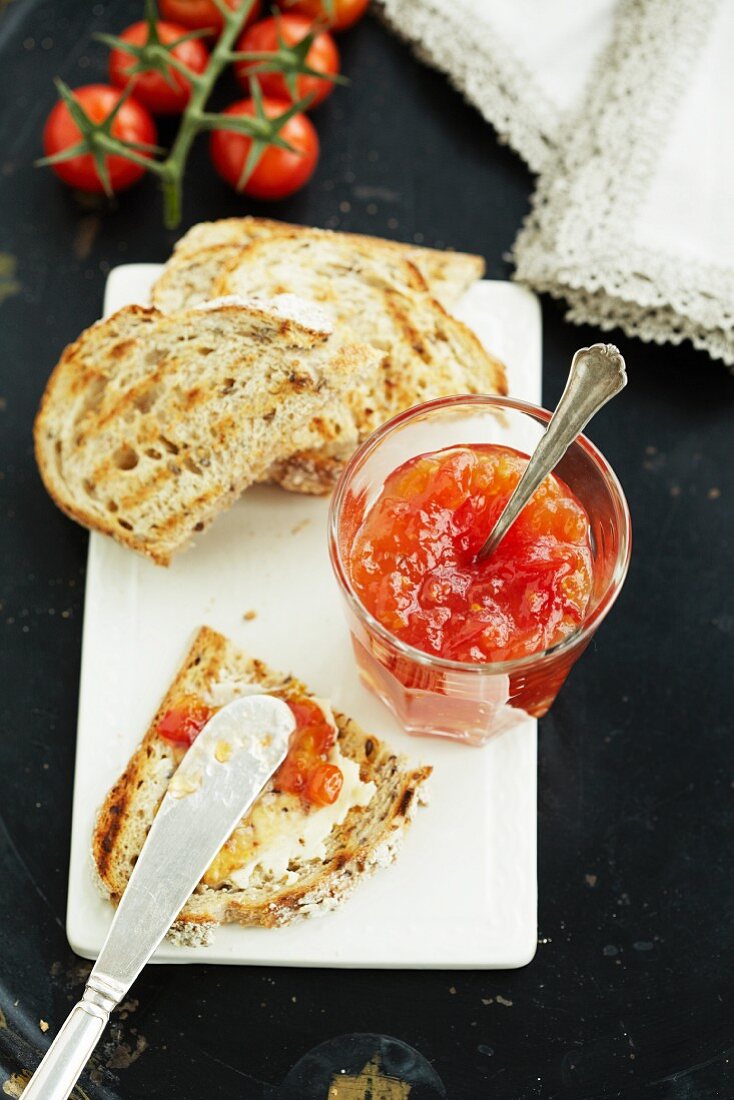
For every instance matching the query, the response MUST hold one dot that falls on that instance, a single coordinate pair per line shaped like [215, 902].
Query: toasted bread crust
[449, 274]
[367, 839]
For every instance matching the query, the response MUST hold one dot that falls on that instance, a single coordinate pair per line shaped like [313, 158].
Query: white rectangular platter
[463, 891]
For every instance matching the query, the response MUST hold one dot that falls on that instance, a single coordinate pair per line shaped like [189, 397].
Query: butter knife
[217, 781]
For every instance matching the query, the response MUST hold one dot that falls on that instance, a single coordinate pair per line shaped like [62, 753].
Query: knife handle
[72, 1048]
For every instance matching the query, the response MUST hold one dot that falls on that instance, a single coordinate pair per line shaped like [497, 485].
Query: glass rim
[494, 668]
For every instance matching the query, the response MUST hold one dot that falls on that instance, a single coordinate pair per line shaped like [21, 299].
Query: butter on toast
[152, 423]
[200, 255]
[363, 836]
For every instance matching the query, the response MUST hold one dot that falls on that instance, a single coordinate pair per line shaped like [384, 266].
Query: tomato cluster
[306, 770]
[164, 89]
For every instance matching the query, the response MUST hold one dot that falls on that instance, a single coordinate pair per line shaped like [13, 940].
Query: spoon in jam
[597, 375]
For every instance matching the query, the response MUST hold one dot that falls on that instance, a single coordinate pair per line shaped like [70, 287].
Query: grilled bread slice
[384, 300]
[152, 423]
[358, 835]
[200, 255]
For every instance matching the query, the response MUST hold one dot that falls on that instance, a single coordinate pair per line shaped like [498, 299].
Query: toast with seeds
[281, 863]
[200, 255]
[384, 300]
[152, 423]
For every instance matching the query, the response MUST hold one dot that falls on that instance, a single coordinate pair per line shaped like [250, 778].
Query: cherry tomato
[152, 89]
[185, 721]
[133, 123]
[263, 38]
[314, 740]
[278, 172]
[293, 773]
[197, 14]
[344, 12]
[305, 771]
[305, 712]
[324, 784]
[314, 735]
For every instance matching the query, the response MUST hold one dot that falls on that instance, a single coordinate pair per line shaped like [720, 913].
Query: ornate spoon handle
[597, 374]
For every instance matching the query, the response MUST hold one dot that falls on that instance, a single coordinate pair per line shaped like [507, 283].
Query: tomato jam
[306, 770]
[183, 723]
[413, 560]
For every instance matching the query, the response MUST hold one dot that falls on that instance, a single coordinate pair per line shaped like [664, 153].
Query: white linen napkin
[626, 111]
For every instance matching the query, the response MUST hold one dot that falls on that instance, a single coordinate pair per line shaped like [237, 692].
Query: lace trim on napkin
[480, 64]
[576, 241]
[597, 164]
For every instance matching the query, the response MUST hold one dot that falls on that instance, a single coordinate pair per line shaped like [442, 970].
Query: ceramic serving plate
[463, 891]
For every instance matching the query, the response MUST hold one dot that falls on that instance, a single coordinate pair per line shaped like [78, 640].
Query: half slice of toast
[152, 423]
[380, 793]
[200, 255]
[384, 300]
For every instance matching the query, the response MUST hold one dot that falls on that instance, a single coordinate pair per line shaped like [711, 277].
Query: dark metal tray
[631, 990]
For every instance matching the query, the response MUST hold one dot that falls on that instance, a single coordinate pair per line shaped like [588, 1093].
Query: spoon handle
[597, 374]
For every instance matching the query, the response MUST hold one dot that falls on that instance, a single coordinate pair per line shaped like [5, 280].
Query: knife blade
[214, 786]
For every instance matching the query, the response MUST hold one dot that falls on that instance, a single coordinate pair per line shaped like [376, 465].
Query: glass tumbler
[428, 694]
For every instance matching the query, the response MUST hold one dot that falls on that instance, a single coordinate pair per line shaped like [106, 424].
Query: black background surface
[630, 993]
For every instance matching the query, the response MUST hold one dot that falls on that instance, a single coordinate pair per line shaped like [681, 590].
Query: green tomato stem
[193, 118]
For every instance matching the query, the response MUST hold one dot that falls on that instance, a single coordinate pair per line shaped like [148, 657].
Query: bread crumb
[452, 989]
[714, 493]
[591, 880]
[300, 526]
[16, 1083]
[249, 615]
[127, 1007]
[43, 1024]
[503, 1001]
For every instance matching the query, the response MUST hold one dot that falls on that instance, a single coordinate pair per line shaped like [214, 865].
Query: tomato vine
[154, 55]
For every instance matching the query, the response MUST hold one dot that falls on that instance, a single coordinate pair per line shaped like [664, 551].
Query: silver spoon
[597, 375]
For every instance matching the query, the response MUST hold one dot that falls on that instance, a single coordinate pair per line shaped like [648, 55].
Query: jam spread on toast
[306, 770]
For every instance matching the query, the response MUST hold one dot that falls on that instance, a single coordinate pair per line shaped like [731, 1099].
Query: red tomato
[305, 712]
[152, 89]
[263, 38]
[344, 12]
[313, 733]
[305, 771]
[184, 722]
[324, 784]
[133, 123]
[278, 172]
[196, 14]
[293, 773]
